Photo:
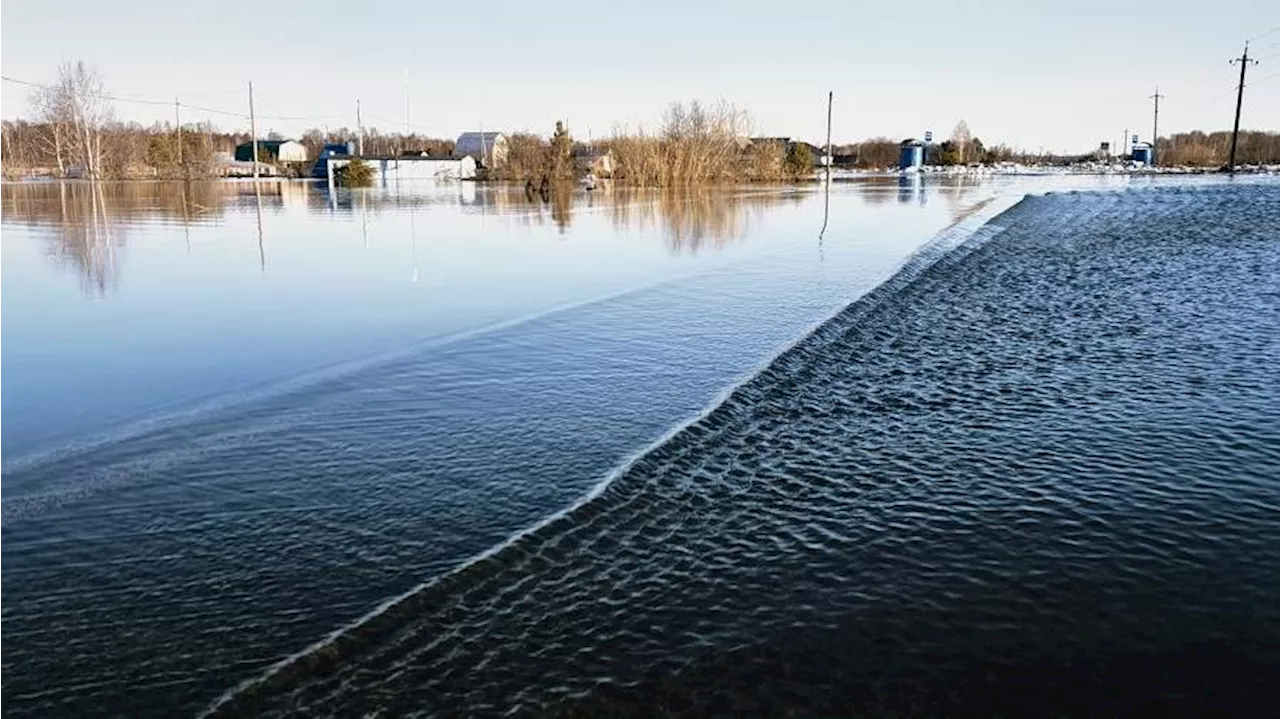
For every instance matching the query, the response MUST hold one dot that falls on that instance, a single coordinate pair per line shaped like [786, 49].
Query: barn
[276, 151]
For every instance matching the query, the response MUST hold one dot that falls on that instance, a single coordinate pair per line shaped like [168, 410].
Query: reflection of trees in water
[89, 219]
[693, 218]
[688, 218]
[88, 237]
[42, 202]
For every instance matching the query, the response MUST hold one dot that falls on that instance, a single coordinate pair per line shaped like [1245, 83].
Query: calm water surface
[236, 421]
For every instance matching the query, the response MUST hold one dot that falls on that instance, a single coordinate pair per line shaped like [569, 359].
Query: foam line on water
[971, 231]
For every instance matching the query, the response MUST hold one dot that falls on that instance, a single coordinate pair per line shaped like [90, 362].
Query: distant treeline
[74, 134]
[129, 150]
[1200, 149]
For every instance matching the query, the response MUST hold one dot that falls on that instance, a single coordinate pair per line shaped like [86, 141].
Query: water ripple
[1039, 473]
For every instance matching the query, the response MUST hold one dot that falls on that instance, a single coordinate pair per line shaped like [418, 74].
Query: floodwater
[236, 420]
[1030, 466]
[1035, 473]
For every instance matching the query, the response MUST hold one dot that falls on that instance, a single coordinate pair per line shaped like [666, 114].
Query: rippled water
[1040, 475]
[235, 422]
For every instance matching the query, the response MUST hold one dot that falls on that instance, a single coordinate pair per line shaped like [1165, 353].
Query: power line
[295, 118]
[185, 105]
[213, 110]
[138, 101]
[398, 122]
[1224, 94]
[91, 94]
[1255, 37]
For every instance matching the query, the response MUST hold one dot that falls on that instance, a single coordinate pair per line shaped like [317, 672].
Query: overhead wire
[398, 123]
[186, 105]
[104, 96]
[1268, 32]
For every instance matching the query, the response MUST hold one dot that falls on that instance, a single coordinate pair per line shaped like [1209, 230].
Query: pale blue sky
[1063, 75]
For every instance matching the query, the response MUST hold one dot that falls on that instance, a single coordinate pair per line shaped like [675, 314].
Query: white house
[487, 148]
[415, 167]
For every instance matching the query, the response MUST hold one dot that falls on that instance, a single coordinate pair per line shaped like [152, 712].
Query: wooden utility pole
[177, 125]
[1155, 126]
[1244, 61]
[826, 199]
[360, 129]
[830, 96]
[253, 131]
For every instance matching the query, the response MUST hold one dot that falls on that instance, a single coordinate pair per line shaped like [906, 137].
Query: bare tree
[53, 115]
[76, 109]
[962, 139]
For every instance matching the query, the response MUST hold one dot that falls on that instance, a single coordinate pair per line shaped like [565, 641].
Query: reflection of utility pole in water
[364, 219]
[186, 227]
[413, 241]
[261, 250]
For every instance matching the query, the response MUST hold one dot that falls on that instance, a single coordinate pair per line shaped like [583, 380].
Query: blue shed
[1142, 153]
[912, 155]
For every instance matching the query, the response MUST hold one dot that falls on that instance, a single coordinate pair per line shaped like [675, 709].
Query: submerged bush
[799, 161]
[356, 173]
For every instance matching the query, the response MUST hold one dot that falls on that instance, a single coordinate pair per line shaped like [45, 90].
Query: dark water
[235, 422]
[1040, 476]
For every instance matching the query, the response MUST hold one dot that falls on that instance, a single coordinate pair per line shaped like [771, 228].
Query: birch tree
[962, 139]
[54, 115]
[75, 109]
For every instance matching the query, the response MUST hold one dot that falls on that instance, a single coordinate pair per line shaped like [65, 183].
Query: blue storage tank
[912, 155]
[1142, 153]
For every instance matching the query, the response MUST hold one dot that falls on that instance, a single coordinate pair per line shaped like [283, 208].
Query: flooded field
[236, 421]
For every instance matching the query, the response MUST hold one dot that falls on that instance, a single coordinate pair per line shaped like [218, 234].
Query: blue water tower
[912, 155]
[1142, 153]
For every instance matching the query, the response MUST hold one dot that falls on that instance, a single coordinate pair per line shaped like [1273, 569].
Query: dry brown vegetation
[695, 144]
[1200, 149]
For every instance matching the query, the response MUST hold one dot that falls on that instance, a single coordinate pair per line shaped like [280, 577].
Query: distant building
[816, 154]
[419, 167]
[331, 151]
[276, 150]
[489, 149]
[598, 162]
[845, 162]
[338, 149]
